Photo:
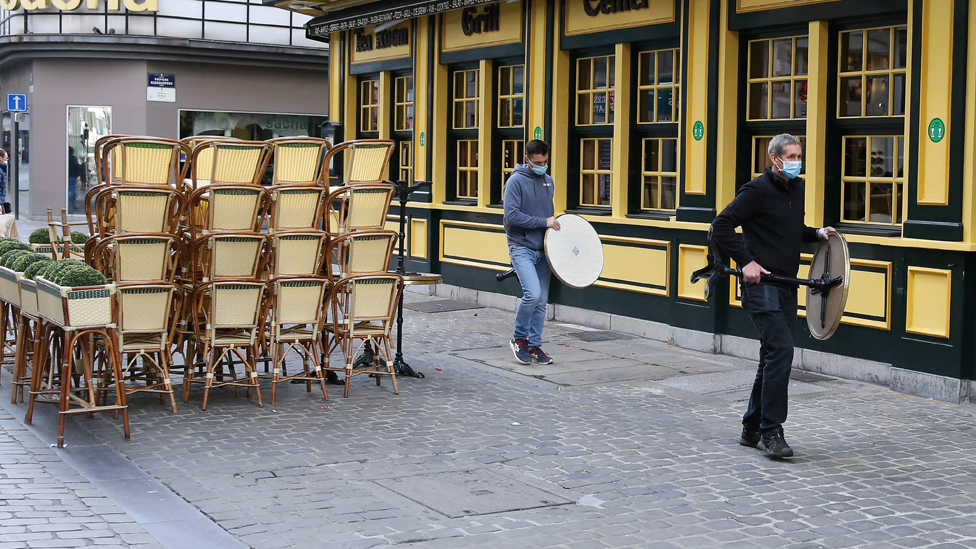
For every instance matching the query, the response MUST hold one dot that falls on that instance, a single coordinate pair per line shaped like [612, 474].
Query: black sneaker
[774, 444]
[750, 436]
[540, 356]
[520, 348]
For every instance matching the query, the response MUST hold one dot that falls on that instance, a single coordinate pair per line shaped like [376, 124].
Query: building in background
[657, 111]
[166, 68]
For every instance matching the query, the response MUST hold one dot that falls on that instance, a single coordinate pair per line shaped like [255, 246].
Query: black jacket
[770, 212]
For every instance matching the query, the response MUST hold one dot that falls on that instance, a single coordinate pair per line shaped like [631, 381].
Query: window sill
[590, 211]
[462, 202]
[660, 215]
[869, 229]
[498, 206]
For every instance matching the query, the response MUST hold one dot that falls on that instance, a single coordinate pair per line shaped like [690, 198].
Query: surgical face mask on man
[538, 170]
[791, 168]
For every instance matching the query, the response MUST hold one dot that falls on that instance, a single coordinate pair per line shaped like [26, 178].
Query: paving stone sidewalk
[597, 450]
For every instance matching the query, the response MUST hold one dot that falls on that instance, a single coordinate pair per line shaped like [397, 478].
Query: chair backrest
[298, 160]
[361, 252]
[228, 255]
[102, 157]
[299, 300]
[298, 252]
[229, 304]
[222, 162]
[366, 160]
[369, 298]
[146, 308]
[227, 208]
[141, 209]
[358, 207]
[137, 257]
[297, 206]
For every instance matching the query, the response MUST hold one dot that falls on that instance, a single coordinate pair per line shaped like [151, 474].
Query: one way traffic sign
[17, 102]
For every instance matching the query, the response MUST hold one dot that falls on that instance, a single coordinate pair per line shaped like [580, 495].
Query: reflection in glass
[761, 160]
[589, 154]
[901, 47]
[651, 188]
[783, 57]
[758, 100]
[854, 205]
[759, 59]
[652, 155]
[850, 97]
[877, 100]
[851, 51]
[855, 157]
[587, 189]
[647, 77]
[646, 105]
[85, 126]
[518, 80]
[604, 182]
[879, 49]
[800, 102]
[802, 56]
[898, 95]
[781, 99]
[599, 72]
[600, 108]
[666, 67]
[669, 155]
[604, 154]
[665, 111]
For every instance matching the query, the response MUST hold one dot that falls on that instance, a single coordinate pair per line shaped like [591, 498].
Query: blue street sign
[17, 102]
[157, 80]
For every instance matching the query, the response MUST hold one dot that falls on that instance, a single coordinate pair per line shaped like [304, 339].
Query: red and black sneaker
[540, 356]
[520, 347]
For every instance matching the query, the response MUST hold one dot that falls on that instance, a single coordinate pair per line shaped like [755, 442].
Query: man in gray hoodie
[528, 213]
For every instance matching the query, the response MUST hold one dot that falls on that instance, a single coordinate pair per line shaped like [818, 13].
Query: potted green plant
[71, 294]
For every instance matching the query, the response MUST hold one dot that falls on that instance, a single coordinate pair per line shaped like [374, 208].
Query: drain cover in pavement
[731, 386]
[441, 306]
[468, 493]
[601, 335]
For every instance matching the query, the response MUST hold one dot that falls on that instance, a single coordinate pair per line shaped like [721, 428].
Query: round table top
[420, 279]
[574, 252]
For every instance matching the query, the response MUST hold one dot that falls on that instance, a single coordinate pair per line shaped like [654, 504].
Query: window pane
[517, 111]
[901, 158]
[850, 96]
[879, 49]
[410, 88]
[589, 154]
[505, 81]
[898, 95]
[646, 105]
[800, 103]
[600, 72]
[505, 112]
[583, 108]
[610, 97]
[600, 108]
[472, 83]
[759, 59]
[604, 154]
[801, 61]
[611, 76]
[587, 189]
[459, 114]
[400, 117]
[462, 153]
[854, 201]
[669, 186]
[782, 97]
[897, 205]
[647, 69]
[855, 157]
[901, 47]
[669, 155]
[604, 182]
[400, 90]
[583, 75]
[651, 187]
[882, 201]
[473, 184]
[374, 119]
[518, 76]
[758, 93]
[664, 109]
[761, 160]
[471, 114]
[652, 155]
[409, 124]
[851, 51]
[877, 100]
[665, 68]
[783, 57]
[882, 156]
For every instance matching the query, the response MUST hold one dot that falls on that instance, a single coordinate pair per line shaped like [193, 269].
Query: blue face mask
[791, 168]
[539, 170]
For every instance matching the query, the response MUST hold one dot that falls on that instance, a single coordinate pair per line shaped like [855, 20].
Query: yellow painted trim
[335, 82]
[348, 118]
[385, 123]
[486, 110]
[620, 156]
[935, 101]
[742, 6]
[930, 303]
[687, 265]
[909, 89]
[536, 74]
[470, 243]
[696, 108]
[969, 157]
[418, 238]
[438, 138]
[421, 100]
[640, 268]
[727, 123]
[816, 153]
[561, 102]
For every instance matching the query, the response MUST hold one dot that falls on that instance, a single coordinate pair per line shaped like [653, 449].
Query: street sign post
[17, 102]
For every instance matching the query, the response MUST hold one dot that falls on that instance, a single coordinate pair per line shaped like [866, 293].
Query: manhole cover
[468, 493]
[441, 306]
[601, 335]
[732, 386]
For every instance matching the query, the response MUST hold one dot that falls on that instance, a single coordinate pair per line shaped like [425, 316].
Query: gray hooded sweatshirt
[528, 203]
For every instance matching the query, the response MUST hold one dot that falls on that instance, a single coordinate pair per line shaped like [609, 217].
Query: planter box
[28, 297]
[9, 287]
[74, 250]
[73, 308]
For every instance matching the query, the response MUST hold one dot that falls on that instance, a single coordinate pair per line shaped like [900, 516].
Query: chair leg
[348, 348]
[67, 361]
[313, 352]
[251, 370]
[208, 355]
[389, 365]
[276, 358]
[38, 371]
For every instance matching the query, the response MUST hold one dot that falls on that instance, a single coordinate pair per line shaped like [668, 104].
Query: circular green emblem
[937, 130]
[423, 139]
[538, 133]
[698, 131]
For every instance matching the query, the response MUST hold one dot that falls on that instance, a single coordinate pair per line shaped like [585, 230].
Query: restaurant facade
[657, 111]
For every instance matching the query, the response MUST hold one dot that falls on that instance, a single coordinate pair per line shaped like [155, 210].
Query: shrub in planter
[40, 236]
[12, 244]
[78, 237]
[60, 265]
[39, 267]
[74, 276]
[12, 256]
[21, 264]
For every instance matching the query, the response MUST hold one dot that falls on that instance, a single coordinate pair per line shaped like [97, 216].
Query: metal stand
[404, 189]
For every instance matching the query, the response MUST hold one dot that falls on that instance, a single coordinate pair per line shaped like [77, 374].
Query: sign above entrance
[586, 16]
[477, 27]
[390, 43]
[72, 5]
[323, 26]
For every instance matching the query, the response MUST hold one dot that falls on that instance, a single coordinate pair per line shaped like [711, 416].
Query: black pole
[404, 190]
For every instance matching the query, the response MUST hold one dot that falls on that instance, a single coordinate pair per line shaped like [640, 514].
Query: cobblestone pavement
[590, 452]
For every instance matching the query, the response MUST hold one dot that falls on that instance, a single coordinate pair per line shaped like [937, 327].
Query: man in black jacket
[770, 211]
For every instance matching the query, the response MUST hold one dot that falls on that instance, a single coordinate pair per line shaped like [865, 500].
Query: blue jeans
[773, 310]
[533, 273]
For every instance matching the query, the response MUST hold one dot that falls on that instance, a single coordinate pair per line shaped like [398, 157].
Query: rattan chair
[137, 257]
[367, 316]
[297, 207]
[361, 252]
[366, 160]
[298, 160]
[297, 253]
[227, 208]
[145, 161]
[146, 328]
[297, 315]
[227, 162]
[138, 209]
[228, 317]
[227, 255]
[359, 207]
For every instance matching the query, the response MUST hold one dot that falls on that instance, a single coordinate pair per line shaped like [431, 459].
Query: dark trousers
[773, 310]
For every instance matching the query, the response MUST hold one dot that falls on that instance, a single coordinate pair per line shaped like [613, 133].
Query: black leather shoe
[750, 436]
[774, 444]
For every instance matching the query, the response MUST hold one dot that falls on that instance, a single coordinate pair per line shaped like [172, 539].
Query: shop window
[512, 152]
[466, 99]
[595, 85]
[369, 105]
[595, 155]
[657, 86]
[777, 71]
[403, 108]
[467, 168]
[760, 154]
[659, 174]
[511, 95]
[406, 161]
[873, 179]
[873, 71]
